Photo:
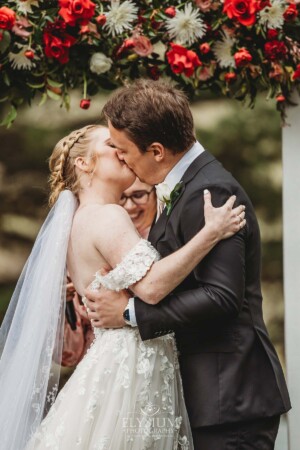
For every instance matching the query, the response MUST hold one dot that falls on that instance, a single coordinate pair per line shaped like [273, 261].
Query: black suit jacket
[230, 370]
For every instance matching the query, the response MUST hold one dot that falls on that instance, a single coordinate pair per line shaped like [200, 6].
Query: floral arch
[231, 47]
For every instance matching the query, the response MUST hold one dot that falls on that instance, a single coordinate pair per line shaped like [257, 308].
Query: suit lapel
[158, 228]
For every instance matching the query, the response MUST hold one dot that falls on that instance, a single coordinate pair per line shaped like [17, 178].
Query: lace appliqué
[131, 269]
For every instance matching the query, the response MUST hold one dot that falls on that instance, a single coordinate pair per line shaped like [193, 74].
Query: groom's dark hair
[152, 111]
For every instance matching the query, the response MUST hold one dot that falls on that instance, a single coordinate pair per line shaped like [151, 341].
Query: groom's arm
[219, 279]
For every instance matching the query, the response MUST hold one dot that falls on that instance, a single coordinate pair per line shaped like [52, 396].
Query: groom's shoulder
[215, 177]
[212, 173]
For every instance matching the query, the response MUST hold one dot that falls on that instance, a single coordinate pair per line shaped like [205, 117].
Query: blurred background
[247, 142]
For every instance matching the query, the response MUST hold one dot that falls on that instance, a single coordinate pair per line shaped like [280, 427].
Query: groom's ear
[158, 150]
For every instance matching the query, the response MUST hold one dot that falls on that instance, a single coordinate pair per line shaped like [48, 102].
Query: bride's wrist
[213, 234]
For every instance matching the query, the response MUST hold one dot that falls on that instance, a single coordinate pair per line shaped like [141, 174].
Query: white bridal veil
[32, 331]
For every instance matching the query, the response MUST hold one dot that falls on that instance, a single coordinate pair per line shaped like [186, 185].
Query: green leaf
[67, 101]
[36, 86]
[43, 99]
[53, 96]
[9, 119]
[53, 83]
[6, 79]
[5, 41]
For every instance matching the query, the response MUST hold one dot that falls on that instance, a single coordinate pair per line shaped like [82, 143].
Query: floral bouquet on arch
[233, 47]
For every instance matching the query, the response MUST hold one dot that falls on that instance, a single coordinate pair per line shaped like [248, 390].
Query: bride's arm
[118, 236]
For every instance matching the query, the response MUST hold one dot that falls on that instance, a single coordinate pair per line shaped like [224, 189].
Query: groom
[233, 383]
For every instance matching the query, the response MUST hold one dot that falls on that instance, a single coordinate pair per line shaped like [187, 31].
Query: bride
[125, 393]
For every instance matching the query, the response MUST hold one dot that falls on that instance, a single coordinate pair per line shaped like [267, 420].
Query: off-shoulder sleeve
[131, 269]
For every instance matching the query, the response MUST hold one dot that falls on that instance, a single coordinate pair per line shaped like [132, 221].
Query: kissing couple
[181, 357]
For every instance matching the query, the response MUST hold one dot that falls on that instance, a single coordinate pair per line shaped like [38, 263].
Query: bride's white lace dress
[125, 394]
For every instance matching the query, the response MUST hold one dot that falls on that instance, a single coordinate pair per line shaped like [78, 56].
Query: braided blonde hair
[61, 162]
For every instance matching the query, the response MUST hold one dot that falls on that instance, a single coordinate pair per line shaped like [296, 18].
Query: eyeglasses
[138, 197]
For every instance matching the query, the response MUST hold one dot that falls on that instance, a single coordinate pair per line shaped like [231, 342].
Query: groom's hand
[105, 308]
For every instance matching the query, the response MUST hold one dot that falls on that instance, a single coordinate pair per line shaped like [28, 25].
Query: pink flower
[276, 72]
[204, 5]
[20, 26]
[204, 73]
[142, 45]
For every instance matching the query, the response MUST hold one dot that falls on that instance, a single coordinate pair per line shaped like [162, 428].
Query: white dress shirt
[174, 176]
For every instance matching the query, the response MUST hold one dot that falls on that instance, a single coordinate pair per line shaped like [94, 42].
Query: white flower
[187, 26]
[120, 17]
[100, 63]
[272, 16]
[24, 6]
[163, 192]
[223, 51]
[19, 60]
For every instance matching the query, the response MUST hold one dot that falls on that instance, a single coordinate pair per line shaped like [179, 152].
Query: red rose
[275, 50]
[57, 42]
[242, 57]
[241, 10]
[261, 4]
[204, 48]
[280, 98]
[7, 18]
[76, 11]
[153, 72]
[272, 34]
[229, 76]
[171, 11]
[291, 12]
[182, 60]
[85, 103]
[101, 19]
[296, 74]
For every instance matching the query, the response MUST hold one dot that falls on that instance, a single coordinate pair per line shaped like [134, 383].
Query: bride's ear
[82, 164]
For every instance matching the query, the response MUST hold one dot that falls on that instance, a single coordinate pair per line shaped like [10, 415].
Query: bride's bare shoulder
[98, 215]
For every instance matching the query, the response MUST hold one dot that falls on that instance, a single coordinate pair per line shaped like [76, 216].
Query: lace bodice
[130, 270]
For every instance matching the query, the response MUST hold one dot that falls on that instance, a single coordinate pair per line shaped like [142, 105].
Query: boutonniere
[168, 197]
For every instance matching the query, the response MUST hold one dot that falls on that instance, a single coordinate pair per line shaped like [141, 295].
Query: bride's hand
[226, 220]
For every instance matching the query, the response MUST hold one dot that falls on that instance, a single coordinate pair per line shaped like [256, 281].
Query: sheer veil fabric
[32, 331]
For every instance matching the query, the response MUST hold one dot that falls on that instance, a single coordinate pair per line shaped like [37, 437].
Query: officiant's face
[144, 165]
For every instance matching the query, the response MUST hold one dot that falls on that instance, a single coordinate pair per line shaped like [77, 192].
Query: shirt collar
[177, 172]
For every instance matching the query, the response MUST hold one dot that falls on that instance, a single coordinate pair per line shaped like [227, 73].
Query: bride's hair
[61, 162]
